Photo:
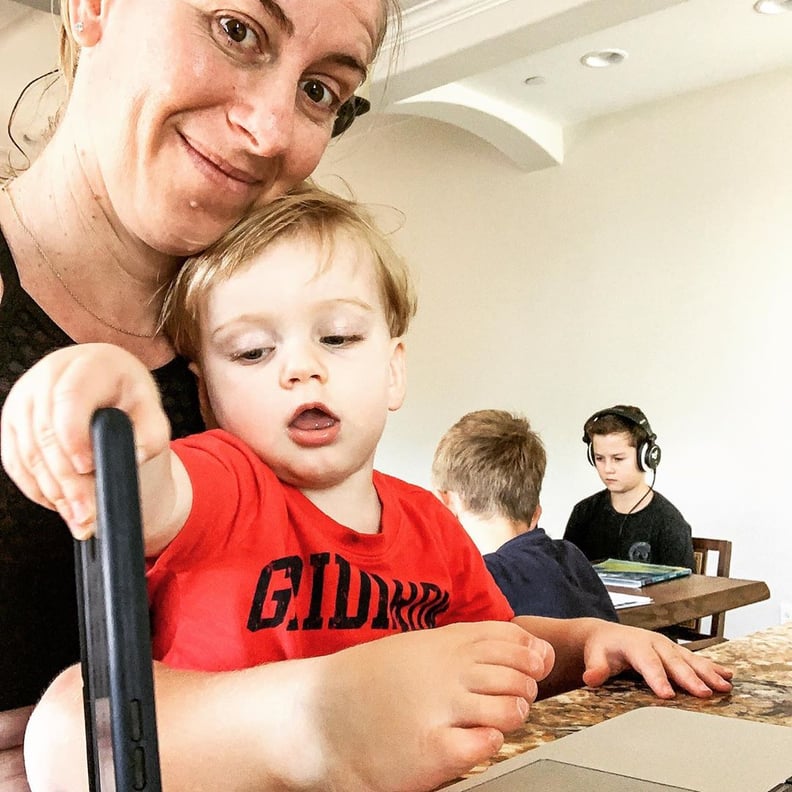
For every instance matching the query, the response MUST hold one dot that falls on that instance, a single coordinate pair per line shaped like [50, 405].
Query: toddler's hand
[411, 711]
[45, 426]
[612, 648]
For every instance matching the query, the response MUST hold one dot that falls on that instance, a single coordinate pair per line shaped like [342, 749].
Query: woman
[183, 115]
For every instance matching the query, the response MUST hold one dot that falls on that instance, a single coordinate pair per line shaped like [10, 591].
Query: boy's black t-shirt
[657, 534]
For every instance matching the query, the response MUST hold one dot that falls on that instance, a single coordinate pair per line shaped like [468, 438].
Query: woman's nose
[264, 112]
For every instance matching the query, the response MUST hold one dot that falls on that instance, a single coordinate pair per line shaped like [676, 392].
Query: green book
[634, 574]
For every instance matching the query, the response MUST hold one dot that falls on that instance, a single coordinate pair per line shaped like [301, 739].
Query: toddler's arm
[590, 651]
[46, 446]
[400, 714]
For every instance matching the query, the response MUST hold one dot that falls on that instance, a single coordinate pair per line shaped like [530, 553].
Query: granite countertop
[762, 665]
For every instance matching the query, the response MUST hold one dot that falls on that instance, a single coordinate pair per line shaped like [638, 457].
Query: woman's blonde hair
[68, 49]
[305, 213]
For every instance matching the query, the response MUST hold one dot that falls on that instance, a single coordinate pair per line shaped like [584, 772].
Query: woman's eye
[318, 93]
[238, 32]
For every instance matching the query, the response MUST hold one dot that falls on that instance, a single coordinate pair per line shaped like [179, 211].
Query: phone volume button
[136, 720]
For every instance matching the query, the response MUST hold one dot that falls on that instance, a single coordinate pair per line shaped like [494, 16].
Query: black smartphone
[115, 638]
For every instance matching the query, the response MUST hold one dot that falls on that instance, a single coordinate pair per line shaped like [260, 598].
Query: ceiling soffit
[446, 41]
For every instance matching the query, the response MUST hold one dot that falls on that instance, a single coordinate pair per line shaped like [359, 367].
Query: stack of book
[634, 574]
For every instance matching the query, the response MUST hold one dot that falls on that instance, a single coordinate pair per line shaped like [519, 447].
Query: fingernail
[82, 531]
[523, 707]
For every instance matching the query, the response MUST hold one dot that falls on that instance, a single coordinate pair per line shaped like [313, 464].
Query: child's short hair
[495, 462]
[307, 212]
[606, 423]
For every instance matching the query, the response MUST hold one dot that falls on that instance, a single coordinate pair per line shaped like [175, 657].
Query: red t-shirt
[258, 573]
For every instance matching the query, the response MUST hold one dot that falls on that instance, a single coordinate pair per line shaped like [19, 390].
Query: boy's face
[302, 366]
[617, 462]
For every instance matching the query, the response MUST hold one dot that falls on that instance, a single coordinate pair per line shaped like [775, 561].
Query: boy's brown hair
[495, 462]
[605, 423]
[306, 213]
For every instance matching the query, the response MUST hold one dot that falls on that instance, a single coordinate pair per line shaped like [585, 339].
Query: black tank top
[38, 606]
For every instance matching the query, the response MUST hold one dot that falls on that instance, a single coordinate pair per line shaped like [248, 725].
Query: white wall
[654, 267]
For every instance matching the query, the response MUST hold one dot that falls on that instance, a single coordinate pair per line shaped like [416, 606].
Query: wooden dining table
[691, 597]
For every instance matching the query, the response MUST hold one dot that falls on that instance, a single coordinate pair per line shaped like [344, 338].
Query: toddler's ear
[203, 399]
[398, 375]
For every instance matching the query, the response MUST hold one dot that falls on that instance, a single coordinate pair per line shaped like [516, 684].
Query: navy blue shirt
[541, 576]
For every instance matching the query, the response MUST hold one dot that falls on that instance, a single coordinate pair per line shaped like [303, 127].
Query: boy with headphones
[628, 519]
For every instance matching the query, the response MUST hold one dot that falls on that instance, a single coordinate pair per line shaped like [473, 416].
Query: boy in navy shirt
[488, 470]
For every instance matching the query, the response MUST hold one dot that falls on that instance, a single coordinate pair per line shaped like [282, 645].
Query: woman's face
[186, 113]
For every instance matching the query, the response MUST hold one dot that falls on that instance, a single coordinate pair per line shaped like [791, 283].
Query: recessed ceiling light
[537, 79]
[601, 59]
[772, 6]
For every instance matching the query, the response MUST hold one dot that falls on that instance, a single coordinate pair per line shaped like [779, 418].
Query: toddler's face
[300, 363]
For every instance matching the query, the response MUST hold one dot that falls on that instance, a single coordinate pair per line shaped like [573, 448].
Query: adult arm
[403, 713]
[590, 651]
[46, 443]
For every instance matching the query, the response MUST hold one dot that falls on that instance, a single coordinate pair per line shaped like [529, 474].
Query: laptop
[651, 749]
[118, 687]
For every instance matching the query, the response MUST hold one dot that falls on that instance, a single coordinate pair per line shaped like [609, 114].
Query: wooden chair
[693, 634]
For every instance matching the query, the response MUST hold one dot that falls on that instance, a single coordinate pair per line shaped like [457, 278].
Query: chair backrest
[703, 547]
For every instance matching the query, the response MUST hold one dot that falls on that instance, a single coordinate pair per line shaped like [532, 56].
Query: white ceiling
[465, 61]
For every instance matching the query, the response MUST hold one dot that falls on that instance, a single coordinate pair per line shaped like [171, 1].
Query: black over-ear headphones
[648, 452]
[348, 112]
